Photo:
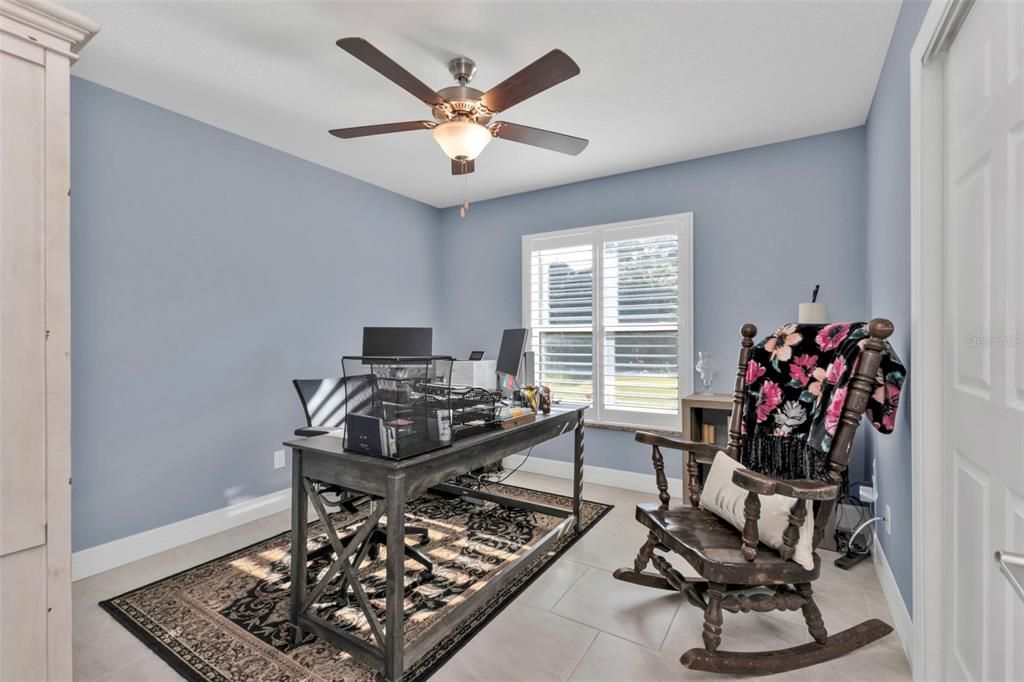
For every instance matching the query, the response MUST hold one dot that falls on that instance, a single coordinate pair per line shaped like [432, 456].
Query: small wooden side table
[693, 409]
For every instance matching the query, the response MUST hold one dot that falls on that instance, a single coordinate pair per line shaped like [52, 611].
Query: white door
[983, 402]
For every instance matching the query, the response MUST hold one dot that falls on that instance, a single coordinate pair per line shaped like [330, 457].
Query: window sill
[631, 429]
[618, 426]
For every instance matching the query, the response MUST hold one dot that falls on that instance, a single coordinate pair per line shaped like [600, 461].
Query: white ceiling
[660, 82]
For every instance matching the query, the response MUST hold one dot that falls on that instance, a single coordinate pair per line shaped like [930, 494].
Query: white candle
[813, 313]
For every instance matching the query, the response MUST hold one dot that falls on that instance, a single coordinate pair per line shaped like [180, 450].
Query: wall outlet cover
[888, 520]
[278, 459]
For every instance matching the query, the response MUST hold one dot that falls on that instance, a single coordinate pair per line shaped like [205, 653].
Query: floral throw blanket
[797, 380]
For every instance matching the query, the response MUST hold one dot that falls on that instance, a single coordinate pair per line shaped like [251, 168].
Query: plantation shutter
[609, 314]
[562, 318]
[640, 286]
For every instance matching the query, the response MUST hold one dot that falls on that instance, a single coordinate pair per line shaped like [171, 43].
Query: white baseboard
[93, 560]
[898, 608]
[615, 478]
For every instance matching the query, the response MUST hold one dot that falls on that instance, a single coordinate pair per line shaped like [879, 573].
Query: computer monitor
[513, 345]
[393, 342]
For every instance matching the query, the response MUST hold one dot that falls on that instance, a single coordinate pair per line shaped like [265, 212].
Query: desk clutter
[401, 407]
[397, 399]
[397, 407]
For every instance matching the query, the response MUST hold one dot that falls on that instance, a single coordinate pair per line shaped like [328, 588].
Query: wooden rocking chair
[730, 562]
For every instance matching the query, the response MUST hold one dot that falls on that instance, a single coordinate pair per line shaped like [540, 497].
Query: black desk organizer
[409, 395]
[472, 405]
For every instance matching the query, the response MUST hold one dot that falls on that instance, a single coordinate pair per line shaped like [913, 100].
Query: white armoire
[38, 42]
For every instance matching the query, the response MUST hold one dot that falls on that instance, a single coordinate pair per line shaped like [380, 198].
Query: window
[609, 311]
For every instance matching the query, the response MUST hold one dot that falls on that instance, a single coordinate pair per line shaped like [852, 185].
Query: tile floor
[574, 623]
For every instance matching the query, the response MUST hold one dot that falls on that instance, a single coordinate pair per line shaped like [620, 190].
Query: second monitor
[513, 345]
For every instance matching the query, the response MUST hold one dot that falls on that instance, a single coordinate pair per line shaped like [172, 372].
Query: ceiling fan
[463, 116]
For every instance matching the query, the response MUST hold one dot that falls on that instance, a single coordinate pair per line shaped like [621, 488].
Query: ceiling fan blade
[463, 167]
[556, 142]
[363, 131]
[550, 70]
[387, 67]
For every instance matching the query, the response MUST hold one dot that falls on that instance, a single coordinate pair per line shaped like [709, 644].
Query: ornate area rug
[227, 619]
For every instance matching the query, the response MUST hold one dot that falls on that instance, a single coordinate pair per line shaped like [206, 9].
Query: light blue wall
[769, 223]
[207, 272]
[888, 274]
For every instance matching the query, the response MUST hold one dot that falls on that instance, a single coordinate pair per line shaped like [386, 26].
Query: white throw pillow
[725, 499]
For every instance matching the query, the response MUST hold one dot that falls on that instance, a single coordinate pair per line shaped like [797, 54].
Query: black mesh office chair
[325, 402]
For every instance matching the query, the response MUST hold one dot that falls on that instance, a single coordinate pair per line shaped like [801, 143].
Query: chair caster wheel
[425, 540]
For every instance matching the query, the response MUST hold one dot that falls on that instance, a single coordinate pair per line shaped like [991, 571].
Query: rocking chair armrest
[800, 489]
[657, 442]
[704, 452]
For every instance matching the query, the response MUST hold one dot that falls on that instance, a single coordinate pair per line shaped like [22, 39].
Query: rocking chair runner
[731, 562]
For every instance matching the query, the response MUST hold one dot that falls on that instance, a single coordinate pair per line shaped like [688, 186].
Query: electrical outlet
[278, 459]
[888, 520]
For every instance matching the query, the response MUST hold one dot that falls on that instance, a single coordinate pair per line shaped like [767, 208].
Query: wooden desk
[322, 458]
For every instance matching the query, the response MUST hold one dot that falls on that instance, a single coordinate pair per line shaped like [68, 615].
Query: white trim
[68, 27]
[893, 596]
[682, 225]
[613, 478]
[945, 33]
[93, 560]
[89, 562]
[930, 549]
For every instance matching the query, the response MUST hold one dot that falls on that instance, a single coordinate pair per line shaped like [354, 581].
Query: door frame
[932, 608]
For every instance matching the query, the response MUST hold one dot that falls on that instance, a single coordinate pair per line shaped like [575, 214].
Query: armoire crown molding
[50, 19]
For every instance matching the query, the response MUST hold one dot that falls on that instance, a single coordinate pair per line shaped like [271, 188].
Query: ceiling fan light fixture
[463, 116]
[462, 140]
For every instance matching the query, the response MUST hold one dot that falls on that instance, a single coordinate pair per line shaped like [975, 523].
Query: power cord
[487, 481]
[841, 536]
[865, 547]
[478, 482]
[854, 545]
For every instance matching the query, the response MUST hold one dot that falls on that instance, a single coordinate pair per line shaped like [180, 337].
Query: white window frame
[680, 224]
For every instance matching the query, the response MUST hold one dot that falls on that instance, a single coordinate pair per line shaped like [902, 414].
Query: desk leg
[577, 476]
[299, 508]
[394, 640]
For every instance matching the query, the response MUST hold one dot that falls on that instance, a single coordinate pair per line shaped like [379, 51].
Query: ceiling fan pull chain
[465, 196]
